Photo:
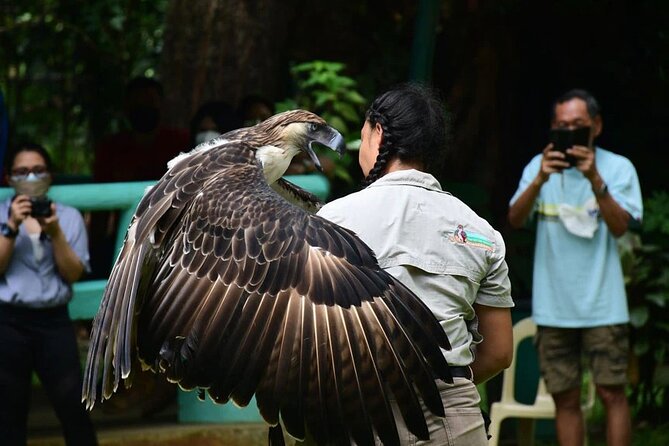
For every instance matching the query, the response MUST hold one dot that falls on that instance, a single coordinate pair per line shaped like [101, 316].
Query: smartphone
[563, 139]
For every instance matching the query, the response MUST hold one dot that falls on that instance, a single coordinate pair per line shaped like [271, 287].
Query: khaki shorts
[562, 352]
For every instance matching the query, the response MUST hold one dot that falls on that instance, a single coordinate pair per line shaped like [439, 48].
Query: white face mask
[33, 185]
[201, 137]
[580, 221]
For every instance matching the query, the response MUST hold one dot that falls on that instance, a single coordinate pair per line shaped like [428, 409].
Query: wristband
[602, 191]
[7, 231]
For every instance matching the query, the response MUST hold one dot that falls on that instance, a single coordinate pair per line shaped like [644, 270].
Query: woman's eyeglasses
[25, 171]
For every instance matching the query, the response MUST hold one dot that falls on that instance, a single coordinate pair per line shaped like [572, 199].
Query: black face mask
[144, 119]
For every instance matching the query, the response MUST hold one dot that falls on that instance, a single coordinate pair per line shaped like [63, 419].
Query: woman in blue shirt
[43, 250]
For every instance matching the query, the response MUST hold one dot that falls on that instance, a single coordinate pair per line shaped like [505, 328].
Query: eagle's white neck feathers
[274, 161]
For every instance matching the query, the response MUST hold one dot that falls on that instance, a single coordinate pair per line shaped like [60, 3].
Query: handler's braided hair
[386, 150]
[414, 128]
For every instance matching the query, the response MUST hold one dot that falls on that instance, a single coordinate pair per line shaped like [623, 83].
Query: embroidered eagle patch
[462, 237]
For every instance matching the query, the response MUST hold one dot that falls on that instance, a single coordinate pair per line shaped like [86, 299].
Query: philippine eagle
[223, 285]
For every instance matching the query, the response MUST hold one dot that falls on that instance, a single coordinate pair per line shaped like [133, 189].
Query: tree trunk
[222, 50]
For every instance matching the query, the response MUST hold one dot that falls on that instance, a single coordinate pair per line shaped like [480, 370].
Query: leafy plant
[646, 265]
[321, 87]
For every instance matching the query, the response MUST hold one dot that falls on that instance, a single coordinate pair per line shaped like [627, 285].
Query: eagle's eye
[313, 127]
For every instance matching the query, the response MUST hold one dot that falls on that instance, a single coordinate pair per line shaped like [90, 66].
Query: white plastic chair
[543, 406]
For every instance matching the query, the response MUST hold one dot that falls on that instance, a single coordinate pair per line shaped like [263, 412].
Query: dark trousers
[42, 341]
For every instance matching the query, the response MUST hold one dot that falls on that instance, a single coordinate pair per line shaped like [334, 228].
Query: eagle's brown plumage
[223, 285]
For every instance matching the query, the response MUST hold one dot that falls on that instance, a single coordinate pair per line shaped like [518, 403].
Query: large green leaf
[660, 299]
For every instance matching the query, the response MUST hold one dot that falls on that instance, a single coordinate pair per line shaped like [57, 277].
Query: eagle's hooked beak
[327, 136]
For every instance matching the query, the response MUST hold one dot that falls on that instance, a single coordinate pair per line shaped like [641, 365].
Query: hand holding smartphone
[563, 139]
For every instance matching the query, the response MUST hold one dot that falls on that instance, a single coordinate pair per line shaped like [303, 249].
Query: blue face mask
[33, 185]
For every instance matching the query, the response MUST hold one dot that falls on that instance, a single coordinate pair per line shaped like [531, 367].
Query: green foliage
[656, 216]
[646, 266]
[64, 65]
[321, 87]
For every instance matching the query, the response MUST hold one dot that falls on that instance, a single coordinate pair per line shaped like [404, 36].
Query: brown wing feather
[222, 285]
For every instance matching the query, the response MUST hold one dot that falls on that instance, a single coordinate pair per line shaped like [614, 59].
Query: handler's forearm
[486, 367]
[495, 352]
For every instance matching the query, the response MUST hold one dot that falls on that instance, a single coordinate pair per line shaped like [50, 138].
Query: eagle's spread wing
[223, 285]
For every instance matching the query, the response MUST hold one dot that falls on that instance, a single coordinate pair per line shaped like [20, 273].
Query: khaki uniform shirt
[434, 244]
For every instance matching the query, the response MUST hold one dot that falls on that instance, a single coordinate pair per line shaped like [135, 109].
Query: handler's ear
[377, 135]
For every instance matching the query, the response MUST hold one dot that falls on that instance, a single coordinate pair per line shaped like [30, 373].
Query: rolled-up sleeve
[495, 289]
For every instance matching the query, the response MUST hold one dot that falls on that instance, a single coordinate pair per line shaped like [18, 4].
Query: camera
[563, 139]
[40, 207]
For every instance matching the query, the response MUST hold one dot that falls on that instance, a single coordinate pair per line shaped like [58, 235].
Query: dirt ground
[125, 422]
[250, 434]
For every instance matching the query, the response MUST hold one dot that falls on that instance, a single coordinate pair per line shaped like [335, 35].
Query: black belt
[461, 371]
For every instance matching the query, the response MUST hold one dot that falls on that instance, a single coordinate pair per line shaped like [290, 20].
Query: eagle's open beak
[327, 136]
